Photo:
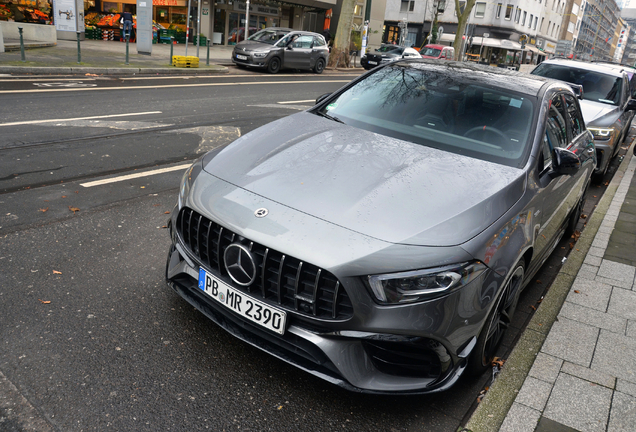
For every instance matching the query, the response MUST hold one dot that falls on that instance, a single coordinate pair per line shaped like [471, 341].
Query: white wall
[30, 32]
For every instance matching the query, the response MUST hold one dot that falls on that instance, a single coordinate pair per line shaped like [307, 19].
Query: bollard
[22, 56]
[207, 61]
[127, 40]
[171, 47]
[79, 52]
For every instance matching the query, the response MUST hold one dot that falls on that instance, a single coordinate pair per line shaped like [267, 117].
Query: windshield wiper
[325, 115]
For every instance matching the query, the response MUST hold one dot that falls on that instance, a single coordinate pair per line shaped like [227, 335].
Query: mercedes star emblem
[240, 264]
[261, 212]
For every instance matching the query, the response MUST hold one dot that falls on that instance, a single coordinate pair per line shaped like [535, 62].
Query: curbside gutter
[491, 412]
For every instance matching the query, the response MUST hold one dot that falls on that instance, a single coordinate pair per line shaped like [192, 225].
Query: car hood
[250, 45]
[597, 112]
[385, 188]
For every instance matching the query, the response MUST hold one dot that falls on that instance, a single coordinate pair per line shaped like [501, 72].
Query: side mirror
[322, 97]
[578, 90]
[289, 47]
[631, 105]
[565, 162]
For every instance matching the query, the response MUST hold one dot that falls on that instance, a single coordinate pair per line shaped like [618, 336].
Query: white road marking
[155, 87]
[298, 102]
[44, 79]
[136, 175]
[78, 118]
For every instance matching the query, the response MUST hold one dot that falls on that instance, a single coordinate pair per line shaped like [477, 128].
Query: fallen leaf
[583, 216]
[577, 291]
[280, 407]
[576, 235]
[76, 192]
[165, 226]
[572, 245]
[156, 205]
[533, 307]
[143, 187]
[63, 196]
[56, 272]
[45, 301]
[43, 210]
[543, 236]
[606, 183]
[73, 209]
[538, 281]
[166, 212]
[594, 196]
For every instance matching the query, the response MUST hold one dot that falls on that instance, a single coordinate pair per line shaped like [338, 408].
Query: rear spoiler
[578, 90]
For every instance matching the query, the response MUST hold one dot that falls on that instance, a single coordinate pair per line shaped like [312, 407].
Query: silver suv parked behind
[276, 48]
[606, 93]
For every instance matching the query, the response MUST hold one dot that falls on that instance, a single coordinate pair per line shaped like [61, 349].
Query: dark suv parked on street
[276, 48]
[606, 103]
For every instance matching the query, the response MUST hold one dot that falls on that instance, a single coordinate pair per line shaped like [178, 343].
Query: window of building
[404, 6]
[509, 11]
[571, 27]
[462, 6]
[480, 10]
[498, 13]
[517, 15]
[523, 21]
[357, 10]
[535, 23]
[575, 9]
[541, 28]
[530, 22]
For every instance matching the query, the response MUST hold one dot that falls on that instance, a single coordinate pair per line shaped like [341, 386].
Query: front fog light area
[420, 285]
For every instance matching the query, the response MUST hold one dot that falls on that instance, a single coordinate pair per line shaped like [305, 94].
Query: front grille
[282, 279]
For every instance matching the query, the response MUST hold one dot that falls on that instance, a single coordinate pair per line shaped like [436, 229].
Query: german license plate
[244, 305]
[372, 62]
[241, 57]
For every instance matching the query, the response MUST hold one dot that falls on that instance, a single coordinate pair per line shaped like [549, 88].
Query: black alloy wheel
[497, 323]
[319, 66]
[274, 65]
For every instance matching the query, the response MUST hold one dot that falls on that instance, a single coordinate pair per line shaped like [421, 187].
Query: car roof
[436, 46]
[595, 67]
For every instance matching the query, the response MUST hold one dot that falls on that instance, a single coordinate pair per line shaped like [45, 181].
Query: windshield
[461, 112]
[396, 49]
[597, 86]
[267, 36]
[432, 52]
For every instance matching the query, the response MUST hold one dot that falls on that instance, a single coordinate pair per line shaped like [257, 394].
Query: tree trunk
[462, 20]
[339, 56]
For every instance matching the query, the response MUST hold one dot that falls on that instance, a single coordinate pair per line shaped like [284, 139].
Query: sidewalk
[107, 57]
[574, 367]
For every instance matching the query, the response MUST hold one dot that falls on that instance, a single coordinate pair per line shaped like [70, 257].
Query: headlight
[260, 54]
[602, 133]
[419, 285]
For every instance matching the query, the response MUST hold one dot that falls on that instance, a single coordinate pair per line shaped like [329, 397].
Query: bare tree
[462, 20]
[341, 45]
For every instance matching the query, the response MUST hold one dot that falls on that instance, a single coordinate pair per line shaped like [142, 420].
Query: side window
[574, 118]
[303, 42]
[556, 126]
[546, 151]
[625, 89]
[318, 41]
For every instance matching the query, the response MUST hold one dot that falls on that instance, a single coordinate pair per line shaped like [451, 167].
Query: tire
[274, 65]
[319, 66]
[497, 323]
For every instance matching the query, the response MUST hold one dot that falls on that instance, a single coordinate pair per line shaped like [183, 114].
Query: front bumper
[250, 61]
[357, 361]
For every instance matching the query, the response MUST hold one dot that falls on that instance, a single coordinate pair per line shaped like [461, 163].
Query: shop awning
[532, 48]
[488, 42]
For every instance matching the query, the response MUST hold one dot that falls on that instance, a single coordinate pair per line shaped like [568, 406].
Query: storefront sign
[256, 9]
[68, 15]
[168, 3]
[550, 47]
[205, 11]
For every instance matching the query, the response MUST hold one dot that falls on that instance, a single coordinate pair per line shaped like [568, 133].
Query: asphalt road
[91, 337]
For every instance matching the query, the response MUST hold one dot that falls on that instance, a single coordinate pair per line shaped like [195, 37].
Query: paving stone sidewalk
[584, 377]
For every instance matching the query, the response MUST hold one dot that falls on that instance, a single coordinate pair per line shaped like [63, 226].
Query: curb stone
[491, 412]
